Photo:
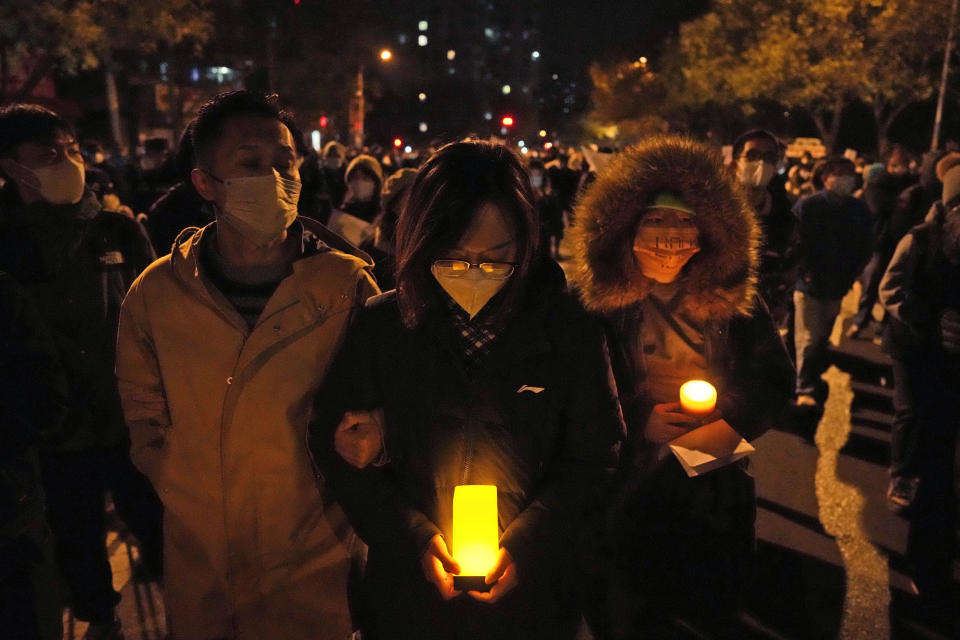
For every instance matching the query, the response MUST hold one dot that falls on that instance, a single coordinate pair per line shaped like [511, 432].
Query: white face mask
[362, 190]
[60, 183]
[757, 174]
[843, 185]
[472, 291]
[260, 208]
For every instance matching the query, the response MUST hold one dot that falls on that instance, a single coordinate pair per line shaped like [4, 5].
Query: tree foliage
[83, 34]
[816, 55]
[629, 101]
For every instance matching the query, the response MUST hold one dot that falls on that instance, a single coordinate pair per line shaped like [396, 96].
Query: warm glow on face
[476, 538]
[698, 397]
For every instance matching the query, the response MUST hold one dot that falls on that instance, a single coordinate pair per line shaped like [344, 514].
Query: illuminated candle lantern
[476, 536]
[698, 398]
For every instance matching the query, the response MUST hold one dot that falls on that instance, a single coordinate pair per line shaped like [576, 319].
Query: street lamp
[358, 133]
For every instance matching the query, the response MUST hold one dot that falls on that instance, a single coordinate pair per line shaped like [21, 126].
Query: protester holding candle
[487, 373]
[666, 254]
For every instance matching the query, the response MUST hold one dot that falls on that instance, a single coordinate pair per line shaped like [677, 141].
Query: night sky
[580, 32]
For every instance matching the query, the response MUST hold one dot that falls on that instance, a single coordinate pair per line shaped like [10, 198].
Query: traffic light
[507, 121]
[323, 122]
[397, 142]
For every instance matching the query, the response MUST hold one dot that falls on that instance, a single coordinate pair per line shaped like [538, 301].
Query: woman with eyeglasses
[478, 369]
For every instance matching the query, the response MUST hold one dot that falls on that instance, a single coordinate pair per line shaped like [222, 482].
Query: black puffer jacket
[539, 419]
[77, 262]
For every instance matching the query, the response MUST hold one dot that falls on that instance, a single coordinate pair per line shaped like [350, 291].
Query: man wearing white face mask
[220, 346]
[756, 157]
[836, 240]
[76, 262]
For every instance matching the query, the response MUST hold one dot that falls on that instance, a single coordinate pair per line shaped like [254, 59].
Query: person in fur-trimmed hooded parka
[666, 254]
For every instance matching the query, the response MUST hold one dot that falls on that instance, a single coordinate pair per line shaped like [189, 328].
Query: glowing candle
[698, 398]
[476, 536]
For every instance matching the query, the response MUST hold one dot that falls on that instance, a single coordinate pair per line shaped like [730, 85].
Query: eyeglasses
[754, 154]
[458, 268]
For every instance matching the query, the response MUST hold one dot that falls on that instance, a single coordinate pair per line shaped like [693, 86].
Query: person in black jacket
[77, 261]
[482, 370]
[665, 250]
[921, 292]
[33, 403]
[835, 242]
[181, 206]
[756, 156]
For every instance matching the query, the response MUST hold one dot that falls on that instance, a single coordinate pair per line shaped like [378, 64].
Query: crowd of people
[282, 404]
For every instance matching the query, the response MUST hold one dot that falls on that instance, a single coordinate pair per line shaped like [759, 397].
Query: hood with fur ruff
[718, 282]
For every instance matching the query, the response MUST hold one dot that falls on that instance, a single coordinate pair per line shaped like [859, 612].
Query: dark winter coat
[921, 284]
[912, 206]
[539, 419]
[658, 515]
[776, 272]
[33, 402]
[179, 208]
[836, 240]
[77, 262]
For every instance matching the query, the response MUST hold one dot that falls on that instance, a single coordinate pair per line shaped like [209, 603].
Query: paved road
[831, 559]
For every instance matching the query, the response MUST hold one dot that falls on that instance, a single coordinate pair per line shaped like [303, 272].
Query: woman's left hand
[503, 577]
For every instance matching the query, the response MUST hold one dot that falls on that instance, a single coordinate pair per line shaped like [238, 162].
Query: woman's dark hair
[450, 188]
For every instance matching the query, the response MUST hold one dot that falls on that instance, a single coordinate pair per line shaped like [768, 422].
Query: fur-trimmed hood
[718, 282]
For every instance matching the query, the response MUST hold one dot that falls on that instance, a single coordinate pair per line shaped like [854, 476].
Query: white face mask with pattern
[260, 208]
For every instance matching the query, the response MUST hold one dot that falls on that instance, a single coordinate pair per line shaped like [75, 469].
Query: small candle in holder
[698, 398]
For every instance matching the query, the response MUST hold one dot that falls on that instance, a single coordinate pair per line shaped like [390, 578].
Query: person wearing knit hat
[333, 187]
[362, 202]
[948, 172]
[665, 252]
[380, 244]
[921, 293]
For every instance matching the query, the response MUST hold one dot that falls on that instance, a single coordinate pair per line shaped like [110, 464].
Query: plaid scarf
[474, 337]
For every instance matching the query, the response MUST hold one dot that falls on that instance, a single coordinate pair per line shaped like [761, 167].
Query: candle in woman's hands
[698, 398]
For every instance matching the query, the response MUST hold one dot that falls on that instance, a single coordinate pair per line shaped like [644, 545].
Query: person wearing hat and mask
[921, 292]
[835, 242]
[221, 344]
[353, 220]
[380, 243]
[666, 254]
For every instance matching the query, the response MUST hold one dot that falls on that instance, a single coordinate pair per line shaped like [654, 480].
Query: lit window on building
[490, 33]
[505, 89]
[423, 127]
[422, 40]
[402, 38]
[422, 97]
[534, 55]
[488, 116]
[422, 25]
[451, 54]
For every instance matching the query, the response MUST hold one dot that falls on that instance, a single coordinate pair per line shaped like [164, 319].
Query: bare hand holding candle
[476, 535]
